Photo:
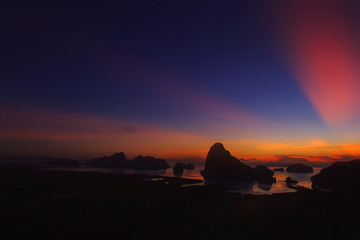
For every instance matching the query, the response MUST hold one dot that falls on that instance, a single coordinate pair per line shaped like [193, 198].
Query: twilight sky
[272, 80]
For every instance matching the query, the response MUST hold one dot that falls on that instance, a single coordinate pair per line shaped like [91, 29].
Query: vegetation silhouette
[179, 168]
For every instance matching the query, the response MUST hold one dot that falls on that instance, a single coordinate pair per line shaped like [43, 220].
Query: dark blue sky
[200, 67]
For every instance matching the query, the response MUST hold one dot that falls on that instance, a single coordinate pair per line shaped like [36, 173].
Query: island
[221, 165]
[118, 160]
[299, 168]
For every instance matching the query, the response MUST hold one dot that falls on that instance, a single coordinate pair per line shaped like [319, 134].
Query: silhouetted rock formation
[339, 175]
[291, 183]
[183, 166]
[118, 160]
[179, 168]
[220, 165]
[279, 169]
[289, 180]
[65, 163]
[264, 174]
[299, 168]
[148, 162]
[189, 166]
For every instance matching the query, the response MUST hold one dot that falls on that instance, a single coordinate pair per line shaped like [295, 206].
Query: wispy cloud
[100, 134]
[289, 159]
[181, 90]
[129, 129]
[311, 158]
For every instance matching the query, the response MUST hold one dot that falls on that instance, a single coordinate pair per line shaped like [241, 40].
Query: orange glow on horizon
[66, 134]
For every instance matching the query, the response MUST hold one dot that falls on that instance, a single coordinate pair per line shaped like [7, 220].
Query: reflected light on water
[244, 188]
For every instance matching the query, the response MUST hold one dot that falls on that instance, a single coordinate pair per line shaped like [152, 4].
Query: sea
[245, 188]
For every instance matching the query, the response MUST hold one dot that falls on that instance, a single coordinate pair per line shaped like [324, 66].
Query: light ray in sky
[322, 52]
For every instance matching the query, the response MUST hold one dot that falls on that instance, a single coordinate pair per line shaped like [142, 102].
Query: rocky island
[220, 165]
[264, 175]
[179, 168]
[118, 160]
[299, 168]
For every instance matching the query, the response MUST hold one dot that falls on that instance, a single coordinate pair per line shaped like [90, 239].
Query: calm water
[245, 188]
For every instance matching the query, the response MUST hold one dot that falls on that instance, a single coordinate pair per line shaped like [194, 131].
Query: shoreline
[60, 204]
[148, 174]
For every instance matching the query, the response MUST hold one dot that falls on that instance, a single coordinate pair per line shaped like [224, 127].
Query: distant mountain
[147, 162]
[118, 160]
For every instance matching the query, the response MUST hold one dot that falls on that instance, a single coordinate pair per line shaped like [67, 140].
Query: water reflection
[245, 188]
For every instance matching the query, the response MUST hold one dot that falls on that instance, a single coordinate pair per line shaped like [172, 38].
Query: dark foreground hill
[340, 175]
[83, 205]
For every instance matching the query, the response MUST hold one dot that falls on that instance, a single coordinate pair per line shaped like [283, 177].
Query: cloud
[129, 129]
[313, 159]
[336, 158]
[250, 160]
[290, 159]
[64, 133]
[321, 144]
[181, 90]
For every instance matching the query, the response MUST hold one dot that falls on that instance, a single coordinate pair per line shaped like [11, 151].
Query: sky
[273, 80]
